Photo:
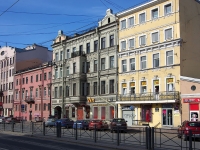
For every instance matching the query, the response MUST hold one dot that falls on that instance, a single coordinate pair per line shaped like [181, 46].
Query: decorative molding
[189, 79]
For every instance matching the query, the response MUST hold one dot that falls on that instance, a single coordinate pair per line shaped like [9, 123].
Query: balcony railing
[29, 99]
[151, 96]
[77, 53]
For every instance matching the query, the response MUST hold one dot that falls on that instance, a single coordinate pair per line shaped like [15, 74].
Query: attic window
[108, 20]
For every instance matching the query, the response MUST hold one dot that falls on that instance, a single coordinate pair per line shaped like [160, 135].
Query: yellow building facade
[151, 59]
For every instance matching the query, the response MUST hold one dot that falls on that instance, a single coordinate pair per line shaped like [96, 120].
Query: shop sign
[144, 83]
[132, 84]
[170, 80]
[124, 85]
[156, 82]
[191, 100]
[128, 108]
[91, 100]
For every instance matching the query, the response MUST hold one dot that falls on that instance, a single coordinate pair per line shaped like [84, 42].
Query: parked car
[50, 122]
[65, 122]
[118, 123]
[183, 130]
[10, 120]
[81, 124]
[2, 119]
[100, 125]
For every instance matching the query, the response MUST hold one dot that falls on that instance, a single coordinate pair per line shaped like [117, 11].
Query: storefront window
[167, 115]
[103, 112]
[112, 112]
[95, 113]
[147, 113]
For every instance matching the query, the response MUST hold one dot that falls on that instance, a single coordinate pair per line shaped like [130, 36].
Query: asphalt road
[10, 142]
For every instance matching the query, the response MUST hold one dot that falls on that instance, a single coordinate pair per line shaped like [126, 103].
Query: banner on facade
[191, 100]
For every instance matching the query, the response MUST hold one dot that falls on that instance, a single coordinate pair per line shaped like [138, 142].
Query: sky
[25, 22]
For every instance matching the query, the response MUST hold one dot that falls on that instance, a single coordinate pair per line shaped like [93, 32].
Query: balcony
[30, 99]
[77, 53]
[151, 97]
[77, 99]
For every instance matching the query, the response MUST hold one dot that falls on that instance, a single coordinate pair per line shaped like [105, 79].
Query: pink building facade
[33, 93]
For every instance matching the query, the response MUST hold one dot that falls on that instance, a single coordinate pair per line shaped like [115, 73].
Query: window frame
[145, 17]
[141, 62]
[112, 62]
[129, 46]
[152, 18]
[132, 63]
[167, 56]
[95, 65]
[124, 69]
[122, 44]
[103, 90]
[164, 9]
[121, 24]
[129, 25]
[103, 42]
[154, 59]
[171, 33]
[112, 40]
[152, 37]
[96, 45]
[112, 86]
[144, 35]
[103, 64]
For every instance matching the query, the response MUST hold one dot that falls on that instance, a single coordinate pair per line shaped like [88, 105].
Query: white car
[2, 119]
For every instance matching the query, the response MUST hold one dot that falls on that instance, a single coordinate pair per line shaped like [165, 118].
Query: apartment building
[11, 60]
[85, 72]
[158, 43]
[33, 93]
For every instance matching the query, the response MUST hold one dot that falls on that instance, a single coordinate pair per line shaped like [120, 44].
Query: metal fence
[144, 137]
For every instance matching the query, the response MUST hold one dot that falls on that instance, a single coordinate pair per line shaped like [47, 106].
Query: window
[49, 90]
[103, 43]
[143, 87]
[143, 62]
[95, 65]
[10, 73]
[56, 73]
[37, 78]
[123, 45]
[83, 67]
[60, 91]
[49, 106]
[74, 67]
[81, 48]
[111, 40]
[112, 62]
[68, 54]
[168, 34]
[142, 18]
[168, 9]
[124, 89]
[16, 82]
[36, 106]
[103, 63]
[88, 89]
[44, 106]
[16, 94]
[56, 57]
[131, 22]
[67, 71]
[88, 67]
[23, 81]
[26, 80]
[40, 77]
[169, 58]
[132, 86]
[123, 24]
[124, 67]
[73, 112]
[39, 107]
[49, 75]
[67, 91]
[170, 84]
[146, 113]
[74, 89]
[111, 86]
[88, 48]
[36, 92]
[61, 72]
[56, 92]
[155, 60]
[83, 89]
[61, 55]
[45, 91]
[154, 37]
[31, 79]
[143, 40]
[154, 13]
[45, 76]
[131, 43]
[95, 88]
[132, 64]
[74, 49]
[103, 87]
[95, 45]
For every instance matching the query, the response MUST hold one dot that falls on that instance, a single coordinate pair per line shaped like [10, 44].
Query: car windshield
[118, 120]
[194, 124]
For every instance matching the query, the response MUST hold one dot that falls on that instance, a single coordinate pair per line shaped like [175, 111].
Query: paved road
[11, 142]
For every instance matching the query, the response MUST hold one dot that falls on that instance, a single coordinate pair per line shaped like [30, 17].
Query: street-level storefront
[191, 107]
[155, 115]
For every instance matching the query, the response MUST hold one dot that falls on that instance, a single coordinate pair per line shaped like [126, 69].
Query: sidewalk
[82, 141]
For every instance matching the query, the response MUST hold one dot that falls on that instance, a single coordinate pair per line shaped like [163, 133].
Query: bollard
[32, 128]
[12, 126]
[76, 132]
[190, 139]
[44, 128]
[22, 126]
[152, 138]
[57, 129]
[117, 135]
[95, 133]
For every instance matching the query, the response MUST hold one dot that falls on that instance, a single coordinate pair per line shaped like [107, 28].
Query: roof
[189, 79]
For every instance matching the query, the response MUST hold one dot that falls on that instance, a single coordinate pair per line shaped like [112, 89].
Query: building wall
[36, 109]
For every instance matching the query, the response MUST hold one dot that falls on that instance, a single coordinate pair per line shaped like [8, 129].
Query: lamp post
[50, 85]
[1, 95]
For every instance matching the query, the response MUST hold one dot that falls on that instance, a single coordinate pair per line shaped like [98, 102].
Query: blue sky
[38, 21]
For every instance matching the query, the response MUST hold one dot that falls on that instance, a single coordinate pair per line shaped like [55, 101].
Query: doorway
[57, 112]
[167, 117]
[30, 115]
[80, 113]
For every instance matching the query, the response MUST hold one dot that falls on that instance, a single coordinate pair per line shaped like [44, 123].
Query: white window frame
[61, 55]
[174, 79]
[67, 69]
[153, 60]
[67, 54]
[140, 81]
[126, 89]
[172, 33]
[152, 13]
[164, 14]
[121, 27]
[166, 57]
[123, 65]
[140, 40]
[145, 14]
[133, 43]
[152, 37]
[123, 49]
[141, 63]
[130, 64]
[74, 48]
[61, 72]
[129, 26]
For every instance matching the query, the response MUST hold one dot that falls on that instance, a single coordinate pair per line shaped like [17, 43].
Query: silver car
[50, 122]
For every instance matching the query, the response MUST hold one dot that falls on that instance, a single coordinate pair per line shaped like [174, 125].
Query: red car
[100, 125]
[194, 126]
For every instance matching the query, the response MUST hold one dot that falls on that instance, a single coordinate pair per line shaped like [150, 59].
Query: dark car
[65, 122]
[50, 122]
[100, 125]
[10, 120]
[81, 124]
[183, 130]
[118, 124]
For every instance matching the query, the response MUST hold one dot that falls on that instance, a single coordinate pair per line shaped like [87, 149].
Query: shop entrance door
[129, 116]
[167, 117]
[80, 113]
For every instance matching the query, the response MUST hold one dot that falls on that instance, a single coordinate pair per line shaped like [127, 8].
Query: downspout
[63, 96]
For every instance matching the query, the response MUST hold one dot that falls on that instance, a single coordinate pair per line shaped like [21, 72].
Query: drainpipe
[42, 92]
[63, 95]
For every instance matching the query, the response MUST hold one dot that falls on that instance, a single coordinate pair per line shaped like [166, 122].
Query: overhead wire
[9, 8]
[104, 4]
